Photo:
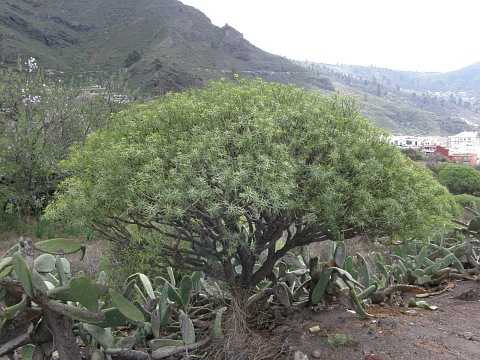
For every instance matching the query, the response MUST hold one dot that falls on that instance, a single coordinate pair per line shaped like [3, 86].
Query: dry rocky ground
[395, 332]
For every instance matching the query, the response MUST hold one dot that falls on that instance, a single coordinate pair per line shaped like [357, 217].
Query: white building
[464, 142]
[408, 141]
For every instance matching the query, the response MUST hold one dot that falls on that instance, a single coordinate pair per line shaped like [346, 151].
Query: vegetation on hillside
[88, 36]
[40, 119]
[180, 48]
[409, 103]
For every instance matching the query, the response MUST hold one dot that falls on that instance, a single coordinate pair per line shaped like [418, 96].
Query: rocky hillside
[169, 46]
[166, 45]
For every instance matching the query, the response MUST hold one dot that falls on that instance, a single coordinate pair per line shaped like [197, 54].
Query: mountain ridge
[179, 45]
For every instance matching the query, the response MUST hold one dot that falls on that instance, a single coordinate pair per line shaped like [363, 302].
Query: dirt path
[451, 332]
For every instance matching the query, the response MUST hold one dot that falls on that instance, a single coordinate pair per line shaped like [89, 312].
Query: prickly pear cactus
[38, 290]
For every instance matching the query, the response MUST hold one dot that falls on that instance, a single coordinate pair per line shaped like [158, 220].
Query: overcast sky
[412, 35]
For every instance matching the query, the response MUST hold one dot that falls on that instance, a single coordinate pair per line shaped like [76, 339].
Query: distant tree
[424, 98]
[414, 154]
[241, 173]
[40, 118]
[132, 57]
[459, 179]
[157, 63]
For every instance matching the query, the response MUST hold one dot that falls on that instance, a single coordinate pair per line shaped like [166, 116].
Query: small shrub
[414, 154]
[158, 64]
[139, 256]
[132, 57]
[41, 228]
[337, 340]
[460, 179]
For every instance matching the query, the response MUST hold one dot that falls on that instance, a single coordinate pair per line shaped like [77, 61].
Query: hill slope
[168, 46]
[410, 102]
[178, 45]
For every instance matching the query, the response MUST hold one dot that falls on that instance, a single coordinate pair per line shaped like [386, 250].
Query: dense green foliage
[465, 200]
[40, 118]
[460, 179]
[217, 176]
[132, 57]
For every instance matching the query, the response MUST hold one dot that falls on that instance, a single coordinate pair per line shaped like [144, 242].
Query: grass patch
[337, 340]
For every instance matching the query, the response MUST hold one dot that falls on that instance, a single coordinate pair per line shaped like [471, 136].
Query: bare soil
[394, 332]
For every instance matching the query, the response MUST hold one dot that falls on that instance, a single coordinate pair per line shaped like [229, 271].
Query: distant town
[462, 148]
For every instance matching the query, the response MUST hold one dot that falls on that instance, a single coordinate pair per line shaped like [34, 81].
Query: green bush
[220, 174]
[132, 57]
[465, 200]
[460, 179]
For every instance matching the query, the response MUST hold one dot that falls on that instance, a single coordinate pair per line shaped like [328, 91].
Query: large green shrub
[221, 174]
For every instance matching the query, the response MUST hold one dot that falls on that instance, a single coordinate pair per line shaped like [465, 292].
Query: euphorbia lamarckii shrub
[218, 176]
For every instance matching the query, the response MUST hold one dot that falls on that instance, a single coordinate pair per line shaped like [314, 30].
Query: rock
[314, 329]
[470, 295]
[317, 354]
[372, 357]
[467, 335]
[392, 323]
[281, 294]
[377, 297]
[300, 356]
